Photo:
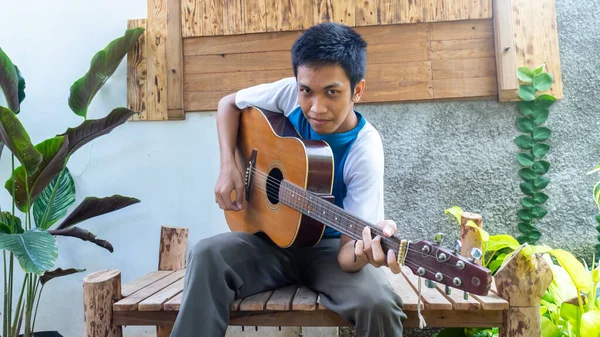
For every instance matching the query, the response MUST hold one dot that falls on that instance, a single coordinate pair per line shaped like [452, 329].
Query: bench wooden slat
[137, 284]
[320, 305]
[432, 298]
[256, 302]
[457, 299]
[282, 298]
[305, 300]
[235, 306]
[403, 288]
[491, 302]
[174, 303]
[130, 303]
[155, 302]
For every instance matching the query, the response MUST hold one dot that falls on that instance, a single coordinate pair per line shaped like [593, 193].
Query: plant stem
[5, 311]
[37, 305]
[10, 288]
[15, 323]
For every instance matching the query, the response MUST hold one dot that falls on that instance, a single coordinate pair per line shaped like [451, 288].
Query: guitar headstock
[436, 263]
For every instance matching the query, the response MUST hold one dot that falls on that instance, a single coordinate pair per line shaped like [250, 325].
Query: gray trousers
[232, 265]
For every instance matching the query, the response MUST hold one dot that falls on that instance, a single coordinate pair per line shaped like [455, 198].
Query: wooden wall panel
[404, 63]
[136, 73]
[231, 17]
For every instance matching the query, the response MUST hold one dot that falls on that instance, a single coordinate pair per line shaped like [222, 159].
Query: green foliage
[534, 113]
[42, 185]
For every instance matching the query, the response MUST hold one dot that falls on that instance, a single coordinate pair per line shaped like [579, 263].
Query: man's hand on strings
[370, 251]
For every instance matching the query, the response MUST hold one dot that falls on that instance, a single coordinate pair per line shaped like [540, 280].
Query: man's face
[326, 99]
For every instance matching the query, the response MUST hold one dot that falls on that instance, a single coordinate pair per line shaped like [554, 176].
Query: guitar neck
[331, 215]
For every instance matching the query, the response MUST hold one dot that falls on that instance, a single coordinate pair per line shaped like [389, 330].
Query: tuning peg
[438, 238]
[429, 284]
[476, 253]
[466, 296]
[457, 246]
[448, 290]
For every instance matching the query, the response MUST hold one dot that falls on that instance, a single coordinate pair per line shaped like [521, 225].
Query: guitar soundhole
[273, 182]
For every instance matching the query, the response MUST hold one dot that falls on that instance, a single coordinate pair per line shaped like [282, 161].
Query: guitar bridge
[249, 175]
[402, 251]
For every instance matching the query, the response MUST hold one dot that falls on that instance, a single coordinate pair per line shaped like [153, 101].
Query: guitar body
[280, 153]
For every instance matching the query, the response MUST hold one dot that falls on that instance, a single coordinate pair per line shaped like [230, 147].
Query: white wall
[170, 166]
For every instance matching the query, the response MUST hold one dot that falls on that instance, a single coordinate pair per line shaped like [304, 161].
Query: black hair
[331, 43]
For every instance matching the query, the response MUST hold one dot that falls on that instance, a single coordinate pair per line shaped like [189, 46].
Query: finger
[219, 200]
[359, 250]
[366, 234]
[239, 195]
[378, 255]
[389, 228]
[392, 262]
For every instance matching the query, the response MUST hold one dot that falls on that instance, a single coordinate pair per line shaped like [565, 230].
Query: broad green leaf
[102, 66]
[525, 159]
[525, 124]
[524, 214]
[534, 235]
[540, 115]
[494, 265]
[13, 223]
[82, 234]
[92, 207]
[541, 134]
[570, 313]
[526, 92]
[525, 74]
[21, 86]
[527, 202]
[524, 142]
[540, 197]
[4, 229]
[549, 329]
[526, 108]
[456, 212]
[541, 182]
[590, 324]
[54, 153]
[527, 174]
[501, 241]
[543, 81]
[541, 167]
[483, 235]
[540, 149]
[525, 227]
[538, 70]
[527, 188]
[538, 212]
[49, 275]
[94, 128]
[597, 194]
[544, 100]
[35, 249]
[9, 82]
[579, 275]
[16, 138]
[54, 201]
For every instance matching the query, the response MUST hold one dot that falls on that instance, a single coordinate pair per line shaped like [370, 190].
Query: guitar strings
[277, 185]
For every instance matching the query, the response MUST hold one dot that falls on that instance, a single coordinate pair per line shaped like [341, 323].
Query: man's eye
[331, 92]
[305, 90]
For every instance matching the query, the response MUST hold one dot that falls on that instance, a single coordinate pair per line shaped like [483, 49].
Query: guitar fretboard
[330, 214]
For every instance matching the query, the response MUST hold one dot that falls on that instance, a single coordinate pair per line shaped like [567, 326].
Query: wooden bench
[154, 300]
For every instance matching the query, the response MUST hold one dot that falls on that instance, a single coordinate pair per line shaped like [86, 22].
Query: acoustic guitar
[287, 195]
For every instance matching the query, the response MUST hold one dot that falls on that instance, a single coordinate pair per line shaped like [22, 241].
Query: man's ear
[359, 89]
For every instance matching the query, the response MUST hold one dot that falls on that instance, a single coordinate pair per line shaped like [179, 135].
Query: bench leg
[163, 331]
[100, 291]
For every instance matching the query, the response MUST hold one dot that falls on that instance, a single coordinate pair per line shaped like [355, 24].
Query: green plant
[571, 306]
[42, 186]
[534, 113]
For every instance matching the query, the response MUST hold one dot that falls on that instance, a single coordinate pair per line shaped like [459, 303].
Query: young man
[329, 62]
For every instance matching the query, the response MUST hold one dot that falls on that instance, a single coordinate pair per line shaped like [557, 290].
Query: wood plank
[136, 73]
[238, 62]
[465, 87]
[456, 297]
[156, 61]
[174, 303]
[137, 284]
[344, 12]
[395, 34]
[282, 298]
[462, 30]
[388, 12]
[285, 15]
[491, 301]
[390, 53]
[191, 15]
[432, 299]
[440, 10]
[305, 300]
[461, 49]
[233, 17]
[256, 302]
[460, 68]
[404, 290]
[322, 11]
[233, 81]
[411, 11]
[155, 302]
[174, 61]
[366, 13]
[255, 15]
[506, 57]
[212, 18]
[217, 45]
[131, 302]
[398, 82]
[203, 101]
